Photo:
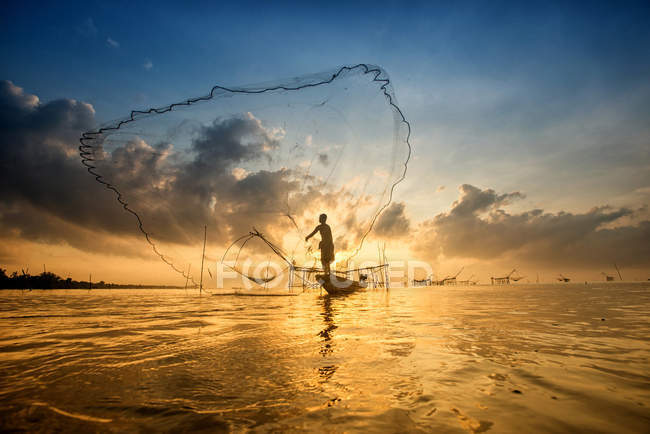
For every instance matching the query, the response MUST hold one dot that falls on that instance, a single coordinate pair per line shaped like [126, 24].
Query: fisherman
[326, 244]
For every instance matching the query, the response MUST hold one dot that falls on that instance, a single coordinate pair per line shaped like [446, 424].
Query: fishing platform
[337, 282]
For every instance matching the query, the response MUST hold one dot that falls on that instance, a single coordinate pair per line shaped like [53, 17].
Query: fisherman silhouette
[326, 244]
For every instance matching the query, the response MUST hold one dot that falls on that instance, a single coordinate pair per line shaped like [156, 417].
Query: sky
[530, 129]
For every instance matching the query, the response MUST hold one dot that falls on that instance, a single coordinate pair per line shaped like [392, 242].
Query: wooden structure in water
[421, 282]
[505, 280]
[376, 276]
[618, 271]
[608, 278]
[564, 279]
[448, 280]
[469, 281]
[451, 280]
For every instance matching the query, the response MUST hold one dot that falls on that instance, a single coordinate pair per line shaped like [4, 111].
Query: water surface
[545, 358]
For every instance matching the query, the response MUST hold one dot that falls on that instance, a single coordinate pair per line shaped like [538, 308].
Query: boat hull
[335, 285]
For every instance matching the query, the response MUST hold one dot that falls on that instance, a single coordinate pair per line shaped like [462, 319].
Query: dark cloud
[476, 227]
[174, 193]
[39, 164]
[227, 174]
[233, 140]
[473, 200]
[393, 222]
[258, 200]
[25, 222]
[48, 196]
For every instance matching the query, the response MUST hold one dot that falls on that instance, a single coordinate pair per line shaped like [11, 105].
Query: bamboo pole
[617, 270]
[205, 236]
[187, 277]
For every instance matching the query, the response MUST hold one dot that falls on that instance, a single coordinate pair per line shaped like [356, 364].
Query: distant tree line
[47, 280]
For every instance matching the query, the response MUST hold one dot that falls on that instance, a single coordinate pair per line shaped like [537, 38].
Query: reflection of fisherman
[326, 244]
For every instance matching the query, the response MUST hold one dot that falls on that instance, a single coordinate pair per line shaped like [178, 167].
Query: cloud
[440, 188]
[233, 140]
[223, 177]
[112, 43]
[473, 200]
[48, 197]
[40, 173]
[27, 222]
[477, 227]
[393, 222]
[239, 173]
[13, 98]
[148, 64]
[174, 190]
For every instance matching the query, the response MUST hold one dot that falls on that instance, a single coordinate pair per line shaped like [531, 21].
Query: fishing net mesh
[270, 156]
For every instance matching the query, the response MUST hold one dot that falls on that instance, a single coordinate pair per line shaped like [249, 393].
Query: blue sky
[552, 49]
[547, 98]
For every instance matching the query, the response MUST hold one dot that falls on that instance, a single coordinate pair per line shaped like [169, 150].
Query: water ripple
[476, 359]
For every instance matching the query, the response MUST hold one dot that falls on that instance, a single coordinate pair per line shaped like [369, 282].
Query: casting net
[269, 156]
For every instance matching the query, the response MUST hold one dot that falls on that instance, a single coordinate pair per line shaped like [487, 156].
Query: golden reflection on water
[550, 358]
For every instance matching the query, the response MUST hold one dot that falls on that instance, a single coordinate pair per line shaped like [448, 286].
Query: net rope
[89, 141]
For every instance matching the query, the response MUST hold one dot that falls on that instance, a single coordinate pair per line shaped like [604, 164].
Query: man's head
[322, 218]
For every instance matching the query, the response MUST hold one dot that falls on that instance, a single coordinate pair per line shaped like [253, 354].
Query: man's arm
[312, 234]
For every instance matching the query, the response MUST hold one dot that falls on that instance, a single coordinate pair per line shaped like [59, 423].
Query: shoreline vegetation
[48, 280]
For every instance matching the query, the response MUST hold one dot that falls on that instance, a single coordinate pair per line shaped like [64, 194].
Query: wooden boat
[336, 285]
